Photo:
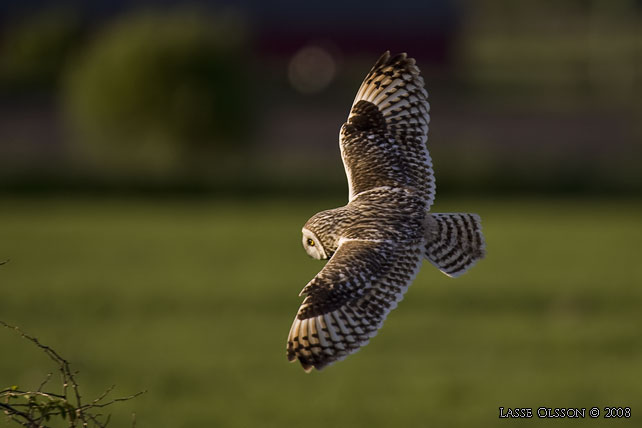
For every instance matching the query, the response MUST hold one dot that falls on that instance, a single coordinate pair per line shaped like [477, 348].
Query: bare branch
[31, 408]
[11, 411]
[44, 382]
[115, 400]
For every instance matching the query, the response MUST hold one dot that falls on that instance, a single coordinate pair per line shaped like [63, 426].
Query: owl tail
[454, 242]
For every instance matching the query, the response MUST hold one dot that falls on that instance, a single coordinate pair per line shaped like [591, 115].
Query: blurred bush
[160, 92]
[34, 50]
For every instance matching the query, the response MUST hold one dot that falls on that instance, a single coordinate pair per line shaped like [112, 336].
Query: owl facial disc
[312, 245]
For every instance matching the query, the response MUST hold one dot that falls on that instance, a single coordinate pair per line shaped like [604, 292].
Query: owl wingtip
[293, 357]
[307, 366]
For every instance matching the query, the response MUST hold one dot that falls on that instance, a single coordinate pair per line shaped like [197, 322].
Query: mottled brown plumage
[377, 242]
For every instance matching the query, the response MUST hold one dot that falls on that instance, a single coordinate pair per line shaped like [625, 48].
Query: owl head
[321, 233]
[313, 245]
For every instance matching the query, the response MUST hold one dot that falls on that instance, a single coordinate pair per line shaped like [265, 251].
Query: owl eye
[310, 242]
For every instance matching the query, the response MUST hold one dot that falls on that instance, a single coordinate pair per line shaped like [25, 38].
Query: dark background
[535, 96]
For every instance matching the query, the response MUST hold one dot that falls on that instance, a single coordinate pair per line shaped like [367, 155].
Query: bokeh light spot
[311, 69]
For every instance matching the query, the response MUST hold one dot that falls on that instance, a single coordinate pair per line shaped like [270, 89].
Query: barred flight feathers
[348, 301]
[383, 143]
[377, 242]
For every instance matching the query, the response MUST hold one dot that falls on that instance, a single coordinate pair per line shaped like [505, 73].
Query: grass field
[192, 301]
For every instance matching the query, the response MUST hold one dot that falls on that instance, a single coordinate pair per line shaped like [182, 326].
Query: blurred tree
[159, 91]
[34, 50]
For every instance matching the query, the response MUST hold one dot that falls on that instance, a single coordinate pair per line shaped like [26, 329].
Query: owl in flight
[377, 242]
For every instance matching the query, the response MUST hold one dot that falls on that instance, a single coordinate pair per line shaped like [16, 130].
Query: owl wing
[348, 301]
[383, 143]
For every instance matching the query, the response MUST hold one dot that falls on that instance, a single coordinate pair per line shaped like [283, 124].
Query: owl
[376, 244]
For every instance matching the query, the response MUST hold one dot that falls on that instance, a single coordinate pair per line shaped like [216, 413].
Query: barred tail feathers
[454, 242]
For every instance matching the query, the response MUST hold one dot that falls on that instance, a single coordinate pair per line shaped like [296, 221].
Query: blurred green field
[192, 300]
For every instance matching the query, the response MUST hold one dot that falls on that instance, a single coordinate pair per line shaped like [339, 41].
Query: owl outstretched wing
[348, 301]
[383, 143]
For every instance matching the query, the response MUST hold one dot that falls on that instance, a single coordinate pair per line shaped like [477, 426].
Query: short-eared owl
[377, 242]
